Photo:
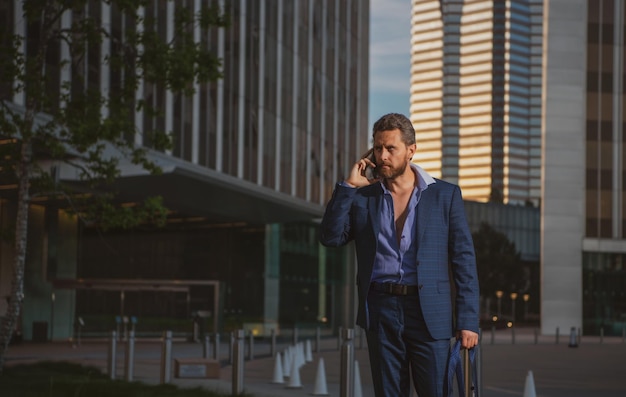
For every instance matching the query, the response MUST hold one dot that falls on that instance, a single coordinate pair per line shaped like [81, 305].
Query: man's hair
[394, 121]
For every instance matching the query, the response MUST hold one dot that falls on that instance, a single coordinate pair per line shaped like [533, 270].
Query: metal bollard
[166, 357]
[273, 343]
[216, 346]
[78, 325]
[318, 339]
[118, 325]
[206, 351]
[295, 335]
[125, 322]
[573, 341]
[493, 335]
[361, 338]
[346, 380]
[536, 330]
[512, 339]
[231, 346]
[251, 346]
[339, 335]
[129, 367]
[237, 387]
[601, 334]
[112, 357]
[557, 335]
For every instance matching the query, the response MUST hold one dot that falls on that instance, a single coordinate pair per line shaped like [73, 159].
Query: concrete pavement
[596, 368]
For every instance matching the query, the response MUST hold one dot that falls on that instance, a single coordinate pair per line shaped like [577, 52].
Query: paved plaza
[595, 368]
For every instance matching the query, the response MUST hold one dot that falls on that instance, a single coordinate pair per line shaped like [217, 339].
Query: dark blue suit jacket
[445, 249]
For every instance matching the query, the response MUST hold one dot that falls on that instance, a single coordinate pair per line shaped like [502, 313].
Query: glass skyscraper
[476, 95]
[255, 157]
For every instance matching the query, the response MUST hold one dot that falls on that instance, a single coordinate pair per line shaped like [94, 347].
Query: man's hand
[357, 177]
[468, 339]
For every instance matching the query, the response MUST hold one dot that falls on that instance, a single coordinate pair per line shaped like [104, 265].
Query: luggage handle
[464, 371]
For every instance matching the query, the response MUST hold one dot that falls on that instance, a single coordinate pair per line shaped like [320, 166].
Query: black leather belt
[395, 289]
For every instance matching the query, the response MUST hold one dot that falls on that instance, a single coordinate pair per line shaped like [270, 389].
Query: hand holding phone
[363, 172]
[371, 171]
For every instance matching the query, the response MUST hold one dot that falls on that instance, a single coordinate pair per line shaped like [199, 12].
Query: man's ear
[411, 149]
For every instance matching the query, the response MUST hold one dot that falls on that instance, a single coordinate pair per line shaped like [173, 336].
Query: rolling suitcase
[462, 366]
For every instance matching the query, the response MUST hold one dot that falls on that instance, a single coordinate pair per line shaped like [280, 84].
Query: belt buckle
[398, 289]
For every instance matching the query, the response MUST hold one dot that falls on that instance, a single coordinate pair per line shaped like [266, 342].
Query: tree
[498, 261]
[75, 119]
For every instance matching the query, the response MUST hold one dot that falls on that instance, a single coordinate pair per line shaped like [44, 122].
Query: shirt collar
[423, 178]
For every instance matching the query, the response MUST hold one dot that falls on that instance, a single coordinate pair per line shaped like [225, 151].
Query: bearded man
[415, 258]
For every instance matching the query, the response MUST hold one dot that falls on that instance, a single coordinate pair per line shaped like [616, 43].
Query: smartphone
[371, 172]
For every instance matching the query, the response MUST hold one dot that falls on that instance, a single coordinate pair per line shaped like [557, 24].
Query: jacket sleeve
[463, 262]
[336, 227]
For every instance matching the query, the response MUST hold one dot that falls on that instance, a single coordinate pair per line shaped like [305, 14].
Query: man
[411, 236]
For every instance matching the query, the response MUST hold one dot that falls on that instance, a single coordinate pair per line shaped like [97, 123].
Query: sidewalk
[596, 368]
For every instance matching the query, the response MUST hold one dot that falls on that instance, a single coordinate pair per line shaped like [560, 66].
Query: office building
[583, 201]
[484, 120]
[256, 156]
[476, 95]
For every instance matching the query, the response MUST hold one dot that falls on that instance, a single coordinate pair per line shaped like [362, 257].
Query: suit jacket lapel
[424, 209]
[374, 203]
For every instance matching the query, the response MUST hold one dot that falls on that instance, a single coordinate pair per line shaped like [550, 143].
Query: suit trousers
[400, 348]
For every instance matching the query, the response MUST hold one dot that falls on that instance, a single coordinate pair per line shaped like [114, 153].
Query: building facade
[526, 99]
[583, 219]
[476, 95]
[255, 159]
[604, 243]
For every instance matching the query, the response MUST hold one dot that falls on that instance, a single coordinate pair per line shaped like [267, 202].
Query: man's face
[392, 154]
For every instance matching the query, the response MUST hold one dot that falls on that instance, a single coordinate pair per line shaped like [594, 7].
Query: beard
[390, 172]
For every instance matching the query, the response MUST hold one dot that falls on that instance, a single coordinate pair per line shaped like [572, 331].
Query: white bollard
[358, 389]
[529, 386]
[300, 354]
[279, 377]
[287, 362]
[321, 389]
[294, 378]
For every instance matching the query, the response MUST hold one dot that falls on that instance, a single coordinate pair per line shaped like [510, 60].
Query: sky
[390, 57]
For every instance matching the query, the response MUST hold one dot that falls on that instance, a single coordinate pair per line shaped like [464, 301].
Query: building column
[563, 169]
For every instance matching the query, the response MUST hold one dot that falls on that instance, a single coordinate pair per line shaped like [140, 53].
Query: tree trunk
[21, 233]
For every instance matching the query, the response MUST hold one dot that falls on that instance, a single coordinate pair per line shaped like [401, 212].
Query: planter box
[196, 368]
